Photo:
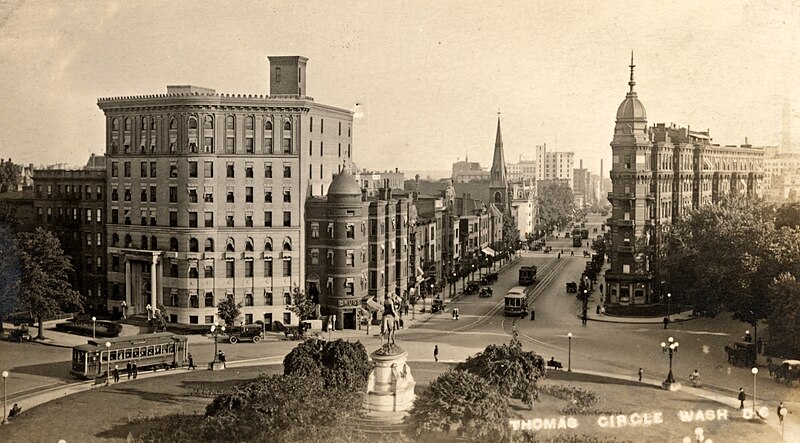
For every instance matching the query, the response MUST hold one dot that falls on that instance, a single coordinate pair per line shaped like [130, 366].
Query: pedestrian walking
[533, 314]
[584, 318]
[759, 345]
[124, 309]
[405, 309]
[221, 357]
[572, 253]
[129, 369]
[781, 410]
[742, 397]
[597, 311]
[641, 372]
[115, 372]
[436, 353]
[191, 362]
[601, 289]
[666, 322]
[135, 370]
[369, 321]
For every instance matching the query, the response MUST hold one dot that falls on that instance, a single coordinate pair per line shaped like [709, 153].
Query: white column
[128, 298]
[153, 287]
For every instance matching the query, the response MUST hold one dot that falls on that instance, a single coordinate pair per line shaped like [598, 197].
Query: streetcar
[526, 275]
[159, 350]
[577, 241]
[516, 302]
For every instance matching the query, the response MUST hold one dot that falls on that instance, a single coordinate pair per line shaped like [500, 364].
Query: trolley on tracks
[516, 302]
[162, 349]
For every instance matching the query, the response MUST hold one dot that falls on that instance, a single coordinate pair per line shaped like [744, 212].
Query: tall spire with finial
[632, 83]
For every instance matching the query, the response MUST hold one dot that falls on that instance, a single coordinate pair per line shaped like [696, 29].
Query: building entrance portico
[143, 281]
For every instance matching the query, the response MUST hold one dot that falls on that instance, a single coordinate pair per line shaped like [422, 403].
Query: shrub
[82, 327]
[579, 401]
[341, 364]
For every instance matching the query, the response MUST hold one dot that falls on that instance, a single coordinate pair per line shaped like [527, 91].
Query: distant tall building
[467, 171]
[659, 174]
[522, 172]
[207, 195]
[554, 165]
[373, 181]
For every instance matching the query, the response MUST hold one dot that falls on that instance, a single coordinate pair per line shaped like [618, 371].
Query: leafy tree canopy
[228, 311]
[303, 305]
[556, 205]
[342, 364]
[784, 297]
[44, 288]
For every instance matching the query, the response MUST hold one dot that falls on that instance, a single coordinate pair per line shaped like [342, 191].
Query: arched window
[287, 244]
[248, 246]
[193, 272]
[115, 124]
[144, 123]
[209, 246]
[208, 122]
[209, 301]
[153, 124]
[127, 124]
[192, 123]
[229, 246]
[193, 245]
[229, 122]
[248, 299]
[153, 242]
[114, 240]
[268, 125]
[128, 241]
[268, 137]
[248, 123]
[268, 245]
[287, 138]
[173, 124]
[173, 244]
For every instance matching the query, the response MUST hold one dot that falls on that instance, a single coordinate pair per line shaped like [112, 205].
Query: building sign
[347, 302]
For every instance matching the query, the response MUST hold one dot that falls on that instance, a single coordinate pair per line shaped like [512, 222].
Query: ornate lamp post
[671, 349]
[108, 361]
[94, 327]
[754, 371]
[216, 331]
[569, 353]
[5, 404]
[669, 306]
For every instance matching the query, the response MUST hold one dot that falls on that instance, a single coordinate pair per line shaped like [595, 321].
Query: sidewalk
[674, 318]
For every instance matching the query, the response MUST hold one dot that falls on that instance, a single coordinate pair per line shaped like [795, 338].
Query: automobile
[486, 292]
[537, 246]
[594, 229]
[472, 288]
[437, 306]
[572, 287]
[566, 234]
[548, 249]
[252, 333]
[489, 279]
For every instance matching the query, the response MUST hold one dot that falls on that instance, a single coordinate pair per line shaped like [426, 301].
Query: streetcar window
[135, 352]
[172, 348]
[158, 350]
[150, 350]
[113, 355]
[127, 354]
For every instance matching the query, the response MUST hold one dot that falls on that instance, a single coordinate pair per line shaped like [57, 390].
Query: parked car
[548, 249]
[252, 333]
[489, 279]
[437, 306]
[472, 288]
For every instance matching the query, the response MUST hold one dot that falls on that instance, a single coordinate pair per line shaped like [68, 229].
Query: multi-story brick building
[207, 191]
[659, 174]
[358, 247]
[71, 203]
[373, 181]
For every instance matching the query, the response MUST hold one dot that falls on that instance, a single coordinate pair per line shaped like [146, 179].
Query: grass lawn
[110, 414]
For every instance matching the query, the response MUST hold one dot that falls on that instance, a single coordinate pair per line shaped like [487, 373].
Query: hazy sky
[431, 75]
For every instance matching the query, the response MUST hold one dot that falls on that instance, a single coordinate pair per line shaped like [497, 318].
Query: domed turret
[631, 109]
[344, 185]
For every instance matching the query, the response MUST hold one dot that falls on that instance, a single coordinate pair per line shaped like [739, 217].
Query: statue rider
[388, 321]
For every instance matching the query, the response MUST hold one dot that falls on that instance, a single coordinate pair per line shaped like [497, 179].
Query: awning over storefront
[373, 305]
[489, 251]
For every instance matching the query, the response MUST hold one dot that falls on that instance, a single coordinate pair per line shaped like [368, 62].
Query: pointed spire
[498, 170]
[498, 141]
[631, 83]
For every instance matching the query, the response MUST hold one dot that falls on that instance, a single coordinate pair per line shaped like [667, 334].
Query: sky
[430, 76]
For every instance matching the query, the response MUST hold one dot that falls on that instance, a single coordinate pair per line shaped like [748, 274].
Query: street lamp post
[754, 371]
[108, 361]
[671, 348]
[94, 327]
[5, 404]
[669, 306]
[216, 330]
[569, 353]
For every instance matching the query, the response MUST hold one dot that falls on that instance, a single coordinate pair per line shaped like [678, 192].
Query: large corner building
[206, 194]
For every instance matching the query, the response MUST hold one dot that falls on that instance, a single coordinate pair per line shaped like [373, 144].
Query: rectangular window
[208, 169]
[351, 230]
[192, 219]
[99, 216]
[287, 218]
[153, 169]
[127, 195]
[268, 218]
[229, 220]
[321, 149]
[287, 267]
[248, 220]
[268, 272]
[114, 170]
[230, 268]
[248, 145]
[127, 169]
[143, 169]
[229, 170]
[209, 219]
[114, 194]
[209, 271]
[114, 215]
[314, 230]
[173, 219]
[248, 171]
[248, 268]
[248, 194]
[229, 145]
[287, 171]
[321, 125]
[267, 170]
[208, 144]
[287, 196]
[351, 258]
[173, 194]
[152, 194]
[268, 196]
[208, 196]
[229, 196]
[192, 195]
[315, 256]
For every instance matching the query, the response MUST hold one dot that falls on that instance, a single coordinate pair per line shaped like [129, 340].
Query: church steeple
[498, 183]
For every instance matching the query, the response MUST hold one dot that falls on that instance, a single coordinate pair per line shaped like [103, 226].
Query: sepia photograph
[403, 221]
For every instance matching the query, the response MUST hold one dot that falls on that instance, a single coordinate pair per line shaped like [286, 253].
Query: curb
[622, 320]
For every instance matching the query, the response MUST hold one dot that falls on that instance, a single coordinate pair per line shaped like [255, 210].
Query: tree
[9, 274]
[787, 215]
[508, 368]
[342, 364]
[44, 289]
[228, 311]
[462, 400]
[556, 205]
[9, 175]
[784, 297]
[304, 305]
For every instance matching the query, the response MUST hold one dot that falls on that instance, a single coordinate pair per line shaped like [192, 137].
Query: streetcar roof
[131, 340]
[516, 291]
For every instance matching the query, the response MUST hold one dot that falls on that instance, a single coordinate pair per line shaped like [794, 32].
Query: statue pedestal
[216, 366]
[670, 386]
[390, 387]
